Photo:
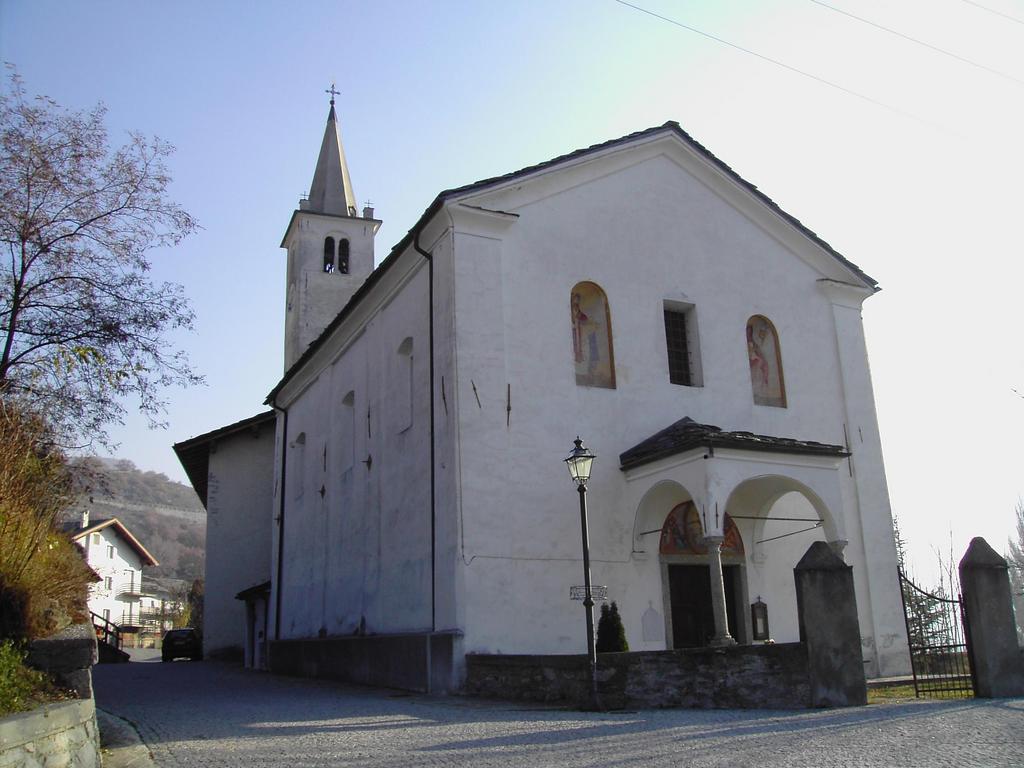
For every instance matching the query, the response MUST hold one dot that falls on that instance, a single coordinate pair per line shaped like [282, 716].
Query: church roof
[686, 435]
[673, 127]
[670, 127]
[331, 189]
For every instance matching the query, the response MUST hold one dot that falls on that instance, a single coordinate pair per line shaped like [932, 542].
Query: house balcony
[128, 591]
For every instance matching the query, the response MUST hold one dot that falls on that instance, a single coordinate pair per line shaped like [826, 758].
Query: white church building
[406, 498]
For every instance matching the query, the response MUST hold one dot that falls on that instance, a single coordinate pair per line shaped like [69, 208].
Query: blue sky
[913, 176]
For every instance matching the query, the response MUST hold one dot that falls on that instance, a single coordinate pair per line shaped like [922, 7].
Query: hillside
[165, 516]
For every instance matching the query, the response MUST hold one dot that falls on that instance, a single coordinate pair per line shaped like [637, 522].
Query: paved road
[212, 714]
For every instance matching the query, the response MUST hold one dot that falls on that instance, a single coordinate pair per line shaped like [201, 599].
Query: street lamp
[579, 463]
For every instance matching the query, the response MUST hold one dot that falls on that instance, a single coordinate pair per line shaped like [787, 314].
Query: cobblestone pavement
[214, 714]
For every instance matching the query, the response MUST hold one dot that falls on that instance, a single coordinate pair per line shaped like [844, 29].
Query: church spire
[331, 190]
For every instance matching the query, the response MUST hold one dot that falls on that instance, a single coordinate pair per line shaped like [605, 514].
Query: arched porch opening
[660, 499]
[780, 518]
[755, 499]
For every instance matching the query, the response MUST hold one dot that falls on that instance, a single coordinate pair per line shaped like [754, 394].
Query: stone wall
[68, 657]
[62, 734]
[746, 677]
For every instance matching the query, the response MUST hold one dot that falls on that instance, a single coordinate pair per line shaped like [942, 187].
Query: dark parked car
[182, 642]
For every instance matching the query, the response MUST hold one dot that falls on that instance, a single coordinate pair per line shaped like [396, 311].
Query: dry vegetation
[43, 577]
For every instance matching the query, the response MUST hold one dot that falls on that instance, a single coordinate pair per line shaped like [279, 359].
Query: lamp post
[579, 463]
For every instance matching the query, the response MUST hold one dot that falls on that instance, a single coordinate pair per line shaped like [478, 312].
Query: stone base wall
[740, 677]
[61, 734]
[67, 657]
[414, 662]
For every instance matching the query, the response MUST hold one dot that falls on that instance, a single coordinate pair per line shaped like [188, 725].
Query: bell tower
[330, 247]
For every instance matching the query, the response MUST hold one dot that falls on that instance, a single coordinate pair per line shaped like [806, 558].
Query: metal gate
[939, 656]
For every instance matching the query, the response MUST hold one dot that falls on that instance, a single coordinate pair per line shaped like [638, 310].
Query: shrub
[611, 635]
[43, 577]
[21, 688]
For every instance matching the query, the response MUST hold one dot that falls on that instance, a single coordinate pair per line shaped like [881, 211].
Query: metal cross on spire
[333, 93]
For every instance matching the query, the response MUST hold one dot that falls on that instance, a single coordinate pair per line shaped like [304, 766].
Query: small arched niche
[593, 356]
[765, 357]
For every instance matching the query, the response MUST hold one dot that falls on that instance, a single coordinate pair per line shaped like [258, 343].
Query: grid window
[110, 552]
[678, 353]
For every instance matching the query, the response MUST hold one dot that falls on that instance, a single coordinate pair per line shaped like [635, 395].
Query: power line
[782, 64]
[922, 43]
[993, 10]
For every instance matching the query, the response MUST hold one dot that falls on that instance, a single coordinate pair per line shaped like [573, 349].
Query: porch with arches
[720, 519]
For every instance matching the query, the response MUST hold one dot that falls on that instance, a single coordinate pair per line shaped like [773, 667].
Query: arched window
[329, 255]
[591, 336]
[765, 356]
[403, 385]
[347, 436]
[297, 472]
[343, 257]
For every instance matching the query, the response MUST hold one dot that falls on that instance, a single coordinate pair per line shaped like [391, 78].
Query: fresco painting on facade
[592, 337]
[765, 362]
[683, 533]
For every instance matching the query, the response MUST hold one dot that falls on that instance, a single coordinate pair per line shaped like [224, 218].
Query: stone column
[996, 660]
[722, 636]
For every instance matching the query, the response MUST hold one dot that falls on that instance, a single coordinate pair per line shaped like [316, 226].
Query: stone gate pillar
[996, 661]
[827, 611]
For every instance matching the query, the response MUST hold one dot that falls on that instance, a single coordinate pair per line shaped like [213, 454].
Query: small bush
[21, 688]
[611, 635]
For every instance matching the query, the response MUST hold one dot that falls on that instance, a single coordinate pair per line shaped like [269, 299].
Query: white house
[118, 558]
[638, 293]
[232, 471]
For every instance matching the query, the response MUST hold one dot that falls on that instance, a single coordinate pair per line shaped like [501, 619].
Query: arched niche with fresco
[593, 356]
[765, 357]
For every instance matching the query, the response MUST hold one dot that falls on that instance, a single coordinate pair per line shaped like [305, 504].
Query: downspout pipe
[280, 520]
[433, 481]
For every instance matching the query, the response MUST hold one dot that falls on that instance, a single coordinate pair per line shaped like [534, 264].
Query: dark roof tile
[686, 435]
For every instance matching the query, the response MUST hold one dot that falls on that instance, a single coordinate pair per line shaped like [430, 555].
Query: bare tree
[1015, 560]
[82, 325]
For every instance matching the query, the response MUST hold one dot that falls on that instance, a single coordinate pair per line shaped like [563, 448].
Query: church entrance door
[693, 620]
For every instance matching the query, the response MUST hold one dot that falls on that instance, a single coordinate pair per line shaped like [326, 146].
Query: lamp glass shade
[579, 463]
